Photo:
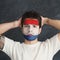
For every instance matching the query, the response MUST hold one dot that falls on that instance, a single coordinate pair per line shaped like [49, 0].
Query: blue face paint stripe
[30, 38]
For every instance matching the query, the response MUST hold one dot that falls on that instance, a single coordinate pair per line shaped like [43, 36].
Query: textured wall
[13, 9]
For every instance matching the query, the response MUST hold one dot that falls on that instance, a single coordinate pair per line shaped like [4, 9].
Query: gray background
[11, 10]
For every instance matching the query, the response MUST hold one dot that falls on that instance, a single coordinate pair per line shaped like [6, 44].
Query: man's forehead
[31, 21]
[31, 18]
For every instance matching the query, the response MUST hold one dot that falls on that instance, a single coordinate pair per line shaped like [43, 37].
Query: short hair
[31, 14]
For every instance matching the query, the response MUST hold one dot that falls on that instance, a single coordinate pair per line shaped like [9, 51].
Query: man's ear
[21, 29]
[40, 30]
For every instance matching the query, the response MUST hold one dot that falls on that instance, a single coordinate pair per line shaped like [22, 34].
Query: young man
[31, 48]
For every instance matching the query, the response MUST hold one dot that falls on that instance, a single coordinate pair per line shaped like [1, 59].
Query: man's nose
[30, 29]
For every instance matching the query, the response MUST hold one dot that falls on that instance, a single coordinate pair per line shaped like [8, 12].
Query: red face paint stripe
[31, 21]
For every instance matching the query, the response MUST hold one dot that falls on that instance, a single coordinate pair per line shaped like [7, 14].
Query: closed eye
[26, 25]
[34, 26]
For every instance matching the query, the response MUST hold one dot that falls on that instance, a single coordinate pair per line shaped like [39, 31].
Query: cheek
[35, 31]
[25, 30]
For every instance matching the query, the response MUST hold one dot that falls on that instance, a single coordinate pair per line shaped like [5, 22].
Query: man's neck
[30, 42]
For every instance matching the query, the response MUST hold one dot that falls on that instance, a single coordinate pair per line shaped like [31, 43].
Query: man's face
[31, 27]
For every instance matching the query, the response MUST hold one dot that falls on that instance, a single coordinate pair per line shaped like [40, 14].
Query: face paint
[31, 29]
[30, 38]
[31, 21]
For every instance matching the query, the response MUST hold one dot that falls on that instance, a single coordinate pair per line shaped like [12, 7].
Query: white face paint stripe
[30, 29]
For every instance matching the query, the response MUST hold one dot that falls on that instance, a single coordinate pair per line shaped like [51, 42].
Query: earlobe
[39, 30]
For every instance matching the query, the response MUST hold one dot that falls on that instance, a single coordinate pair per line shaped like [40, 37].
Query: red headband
[31, 21]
